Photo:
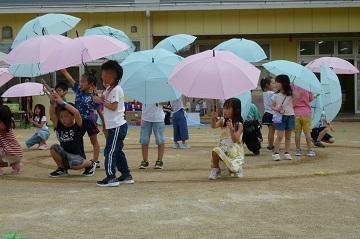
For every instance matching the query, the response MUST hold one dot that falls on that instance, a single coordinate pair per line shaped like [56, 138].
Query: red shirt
[9, 143]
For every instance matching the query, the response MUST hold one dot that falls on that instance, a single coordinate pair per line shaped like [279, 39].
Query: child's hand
[214, 116]
[230, 124]
[97, 99]
[54, 96]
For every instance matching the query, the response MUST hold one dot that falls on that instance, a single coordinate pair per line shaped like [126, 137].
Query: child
[167, 110]
[179, 125]
[70, 153]
[252, 136]
[302, 109]
[230, 150]
[42, 131]
[10, 149]
[152, 119]
[116, 126]
[268, 87]
[283, 115]
[321, 132]
[62, 88]
[84, 103]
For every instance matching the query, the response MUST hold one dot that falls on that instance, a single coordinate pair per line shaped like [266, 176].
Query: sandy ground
[302, 198]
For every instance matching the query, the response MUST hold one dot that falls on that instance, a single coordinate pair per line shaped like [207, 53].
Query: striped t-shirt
[9, 143]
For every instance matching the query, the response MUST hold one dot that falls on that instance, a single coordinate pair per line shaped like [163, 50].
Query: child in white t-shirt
[42, 133]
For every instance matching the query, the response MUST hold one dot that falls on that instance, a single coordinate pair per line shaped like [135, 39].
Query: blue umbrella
[45, 25]
[245, 99]
[146, 76]
[115, 33]
[176, 43]
[246, 49]
[330, 99]
[26, 70]
[298, 74]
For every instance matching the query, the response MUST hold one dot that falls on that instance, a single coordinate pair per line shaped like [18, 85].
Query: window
[345, 47]
[5, 47]
[307, 48]
[7, 32]
[326, 47]
[266, 48]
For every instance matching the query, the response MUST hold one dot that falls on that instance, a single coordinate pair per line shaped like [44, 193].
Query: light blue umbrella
[25, 70]
[45, 25]
[146, 76]
[245, 99]
[298, 74]
[330, 99]
[176, 43]
[246, 49]
[117, 34]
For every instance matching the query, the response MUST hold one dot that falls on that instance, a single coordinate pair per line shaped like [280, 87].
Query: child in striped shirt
[10, 149]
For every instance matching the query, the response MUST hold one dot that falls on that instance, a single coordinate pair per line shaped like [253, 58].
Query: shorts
[146, 130]
[90, 126]
[303, 123]
[287, 123]
[69, 160]
[315, 134]
[7, 158]
[267, 119]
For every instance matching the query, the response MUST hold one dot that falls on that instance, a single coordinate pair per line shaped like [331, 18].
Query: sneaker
[158, 164]
[176, 146]
[276, 157]
[319, 144]
[299, 152]
[16, 168]
[144, 164]
[90, 171]
[60, 172]
[126, 180]
[97, 164]
[214, 173]
[311, 153]
[270, 148]
[287, 156]
[108, 182]
[238, 174]
[43, 147]
[184, 146]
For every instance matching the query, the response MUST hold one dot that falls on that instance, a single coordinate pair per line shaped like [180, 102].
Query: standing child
[180, 125]
[283, 115]
[302, 109]
[116, 126]
[152, 119]
[84, 103]
[42, 133]
[230, 149]
[10, 149]
[320, 133]
[268, 86]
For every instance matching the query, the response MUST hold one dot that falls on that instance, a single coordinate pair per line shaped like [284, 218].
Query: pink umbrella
[214, 75]
[338, 65]
[35, 50]
[81, 50]
[5, 76]
[24, 89]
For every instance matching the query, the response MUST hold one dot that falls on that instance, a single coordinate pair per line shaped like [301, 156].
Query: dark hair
[42, 112]
[235, 104]
[285, 82]
[6, 116]
[59, 108]
[90, 76]
[264, 82]
[115, 68]
[62, 85]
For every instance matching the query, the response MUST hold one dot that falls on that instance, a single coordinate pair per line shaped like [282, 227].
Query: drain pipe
[148, 21]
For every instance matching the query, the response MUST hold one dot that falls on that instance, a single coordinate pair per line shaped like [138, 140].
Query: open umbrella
[338, 65]
[81, 50]
[5, 76]
[175, 43]
[246, 49]
[330, 99]
[214, 75]
[146, 76]
[298, 74]
[24, 89]
[245, 99]
[26, 70]
[2, 58]
[44, 25]
[117, 34]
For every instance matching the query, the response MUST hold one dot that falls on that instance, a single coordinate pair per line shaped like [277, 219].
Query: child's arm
[235, 134]
[68, 77]
[101, 115]
[111, 106]
[53, 116]
[70, 108]
[37, 124]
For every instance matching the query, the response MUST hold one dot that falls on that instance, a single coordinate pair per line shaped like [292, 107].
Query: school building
[293, 30]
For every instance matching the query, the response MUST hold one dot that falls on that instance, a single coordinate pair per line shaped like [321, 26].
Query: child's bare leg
[57, 158]
[308, 140]
[96, 147]
[297, 139]
[145, 151]
[322, 134]
[215, 160]
[278, 140]
[271, 135]
[287, 140]
[161, 150]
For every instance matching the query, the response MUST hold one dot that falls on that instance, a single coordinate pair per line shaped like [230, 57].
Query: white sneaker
[43, 147]
[276, 157]
[311, 153]
[214, 173]
[176, 146]
[184, 146]
[298, 152]
[287, 156]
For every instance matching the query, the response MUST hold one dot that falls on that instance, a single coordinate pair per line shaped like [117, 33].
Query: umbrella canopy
[44, 25]
[5, 76]
[330, 99]
[2, 58]
[298, 74]
[117, 34]
[176, 43]
[246, 49]
[214, 75]
[24, 89]
[245, 99]
[338, 65]
[146, 75]
[26, 70]
[81, 50]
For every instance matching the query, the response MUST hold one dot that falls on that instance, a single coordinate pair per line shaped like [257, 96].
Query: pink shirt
[301, 102]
